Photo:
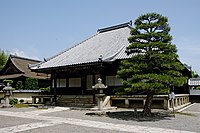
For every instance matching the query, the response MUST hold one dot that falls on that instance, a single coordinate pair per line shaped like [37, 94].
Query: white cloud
[17, 52]
[21, 53]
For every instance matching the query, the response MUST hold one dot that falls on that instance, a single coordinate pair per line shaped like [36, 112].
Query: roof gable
[10, 67]
[19, 66]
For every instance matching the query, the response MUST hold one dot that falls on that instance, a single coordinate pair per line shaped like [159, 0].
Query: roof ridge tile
[23, 58]
[128, 24]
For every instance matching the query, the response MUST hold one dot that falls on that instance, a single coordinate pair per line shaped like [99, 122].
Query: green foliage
[194, 74]
[154, 65]
[3, 58]
[31, 84]
[21, 105]
[19, 85]
[13, 101]
[5, 81]
[47, 89]
[120, 91]
[197, 88]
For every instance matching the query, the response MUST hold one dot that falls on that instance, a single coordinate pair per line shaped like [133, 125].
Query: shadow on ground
[132, 116]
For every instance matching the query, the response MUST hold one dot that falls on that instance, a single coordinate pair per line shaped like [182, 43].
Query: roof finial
[100, 58]
[131, 22]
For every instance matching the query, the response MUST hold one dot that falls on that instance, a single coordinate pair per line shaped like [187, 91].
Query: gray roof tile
[109, 42]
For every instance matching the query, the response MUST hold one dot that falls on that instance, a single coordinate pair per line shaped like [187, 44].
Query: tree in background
[154, 64]
[194, 74]
[31, 84]
[3, 58]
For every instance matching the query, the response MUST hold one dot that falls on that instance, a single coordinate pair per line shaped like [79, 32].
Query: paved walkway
[49, 120]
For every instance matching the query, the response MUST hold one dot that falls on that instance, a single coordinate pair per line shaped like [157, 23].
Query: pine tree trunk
[148, 103]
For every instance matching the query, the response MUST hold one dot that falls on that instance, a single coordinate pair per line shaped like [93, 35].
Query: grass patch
[21, 105]
[187, 114]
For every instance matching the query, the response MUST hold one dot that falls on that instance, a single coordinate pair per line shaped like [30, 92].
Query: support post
[144, 100]
[93, 90]
[54, 88]
[33, 100]
[166, 104]
[126, 103]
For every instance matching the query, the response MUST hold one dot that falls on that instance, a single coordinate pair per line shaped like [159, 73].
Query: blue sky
[43, 28]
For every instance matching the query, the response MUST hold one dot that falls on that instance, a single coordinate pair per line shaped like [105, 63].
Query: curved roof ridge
[23, 58]
[110, 58]
[11, 59]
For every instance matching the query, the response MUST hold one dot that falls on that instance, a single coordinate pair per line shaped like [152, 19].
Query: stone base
[103, 109]
[6, 106]
[96, 111]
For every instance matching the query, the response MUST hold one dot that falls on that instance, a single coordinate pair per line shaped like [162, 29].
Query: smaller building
[16, 69]
[194, 84]
[194, 87]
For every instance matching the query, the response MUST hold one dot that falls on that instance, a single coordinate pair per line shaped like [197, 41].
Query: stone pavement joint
[25, 127]
[182, 109]
[51, 120]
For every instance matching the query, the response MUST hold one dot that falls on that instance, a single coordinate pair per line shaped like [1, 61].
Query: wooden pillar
[144, 100]
[67, 82]
[55, 87]
[93, 90]
[83, 84]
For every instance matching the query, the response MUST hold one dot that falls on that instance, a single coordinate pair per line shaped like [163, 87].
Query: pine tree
[154, 64]
[3, 58]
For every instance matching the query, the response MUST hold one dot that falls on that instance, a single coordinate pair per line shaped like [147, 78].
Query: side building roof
[19, 66]
[108, 43]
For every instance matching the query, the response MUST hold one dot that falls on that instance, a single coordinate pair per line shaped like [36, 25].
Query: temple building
[17, 69]
[75, 70]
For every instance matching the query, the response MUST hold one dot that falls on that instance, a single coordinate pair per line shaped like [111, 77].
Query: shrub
[31, 84]
[5, 81]
[19, 85]
[13, 101]
[47, 89]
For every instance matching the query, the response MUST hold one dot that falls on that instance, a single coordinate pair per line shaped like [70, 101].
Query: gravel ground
[19, 109]
[66, 128]
[7, 121]
[188, 120]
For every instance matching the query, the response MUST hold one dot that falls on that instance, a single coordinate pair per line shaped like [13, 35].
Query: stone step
[82, 100]
[77, 105]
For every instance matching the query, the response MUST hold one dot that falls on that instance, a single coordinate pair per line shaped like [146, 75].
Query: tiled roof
[110, 43]
[18, 66]
[194, 81]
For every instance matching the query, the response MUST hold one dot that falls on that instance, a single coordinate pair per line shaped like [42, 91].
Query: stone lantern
[100, 87]
[7, 93]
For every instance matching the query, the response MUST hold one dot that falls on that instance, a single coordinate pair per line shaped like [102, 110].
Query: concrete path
[37, 122]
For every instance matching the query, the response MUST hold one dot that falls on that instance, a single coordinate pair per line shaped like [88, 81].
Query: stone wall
[138, 101]
[26, 95]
